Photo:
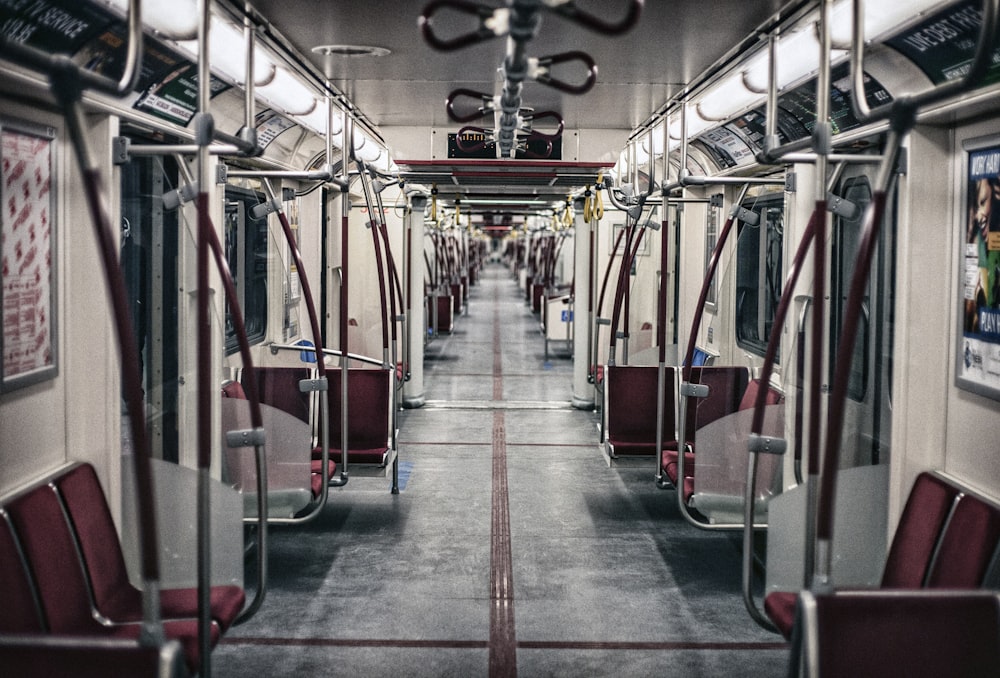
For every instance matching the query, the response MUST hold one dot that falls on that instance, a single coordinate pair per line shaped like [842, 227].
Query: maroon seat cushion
[967, 545]
[114, 595]
[20, 613]
[927, 507]
[780, 608]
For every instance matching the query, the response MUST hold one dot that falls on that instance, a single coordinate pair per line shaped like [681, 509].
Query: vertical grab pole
[661, 304]
[345, 208]
[204, 131]
[821, 146]
[66, 82]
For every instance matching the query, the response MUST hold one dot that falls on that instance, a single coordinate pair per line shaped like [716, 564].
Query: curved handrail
[256, 415]
[587, 20]
[757, 425]
[322, 380]
[902, 117]
[981, 62]
[131, 71]
[542, 71]
[480, 34]
[67, 81]
[373, 222]
[256, 419]
[632, 244]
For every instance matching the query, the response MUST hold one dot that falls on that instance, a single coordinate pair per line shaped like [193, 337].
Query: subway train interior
[500, 337]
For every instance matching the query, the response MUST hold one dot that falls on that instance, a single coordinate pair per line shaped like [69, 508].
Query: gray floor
[607, 578]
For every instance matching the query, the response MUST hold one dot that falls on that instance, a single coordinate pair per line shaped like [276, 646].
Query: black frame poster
[978, 348]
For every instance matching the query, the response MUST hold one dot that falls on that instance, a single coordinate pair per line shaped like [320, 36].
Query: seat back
[368, 393]
[21, 610]
[726, 385]
[930, 502]
[967, 546]
[917, 634]
[631, 404]
[279, 388]
[51, 553]
[97, 537]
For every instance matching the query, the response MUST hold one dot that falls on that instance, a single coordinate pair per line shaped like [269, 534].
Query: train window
[847, 236]
[758, 272]
[711, 237]
[149, 250]
[246, 254]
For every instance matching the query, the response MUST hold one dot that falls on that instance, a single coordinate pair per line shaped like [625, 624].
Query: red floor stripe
[356, 642]
[503, 640]
[678, 645]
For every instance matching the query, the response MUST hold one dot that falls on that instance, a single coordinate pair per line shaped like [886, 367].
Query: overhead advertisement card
[978, 362]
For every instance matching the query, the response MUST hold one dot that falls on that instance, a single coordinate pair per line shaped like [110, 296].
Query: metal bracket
[221, 173]
[603, 321]
[690, 390]
[262, 209]
[759, 444]
[748, 217]
[307, 385]
[120, 150]
[715, 200]
[250, 437]
[791, 183]
[842, 207]
[902, 157]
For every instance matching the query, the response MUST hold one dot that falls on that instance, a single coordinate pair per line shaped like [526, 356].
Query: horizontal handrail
[275, 347]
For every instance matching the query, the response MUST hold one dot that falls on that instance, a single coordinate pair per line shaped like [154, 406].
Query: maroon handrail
[699, 307]
[774, 340]
[845, 351]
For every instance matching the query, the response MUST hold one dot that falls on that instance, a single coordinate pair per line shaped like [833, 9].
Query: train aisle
[512, 548]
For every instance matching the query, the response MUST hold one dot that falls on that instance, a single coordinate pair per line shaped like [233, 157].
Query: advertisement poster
[978, 365]
[26, 258]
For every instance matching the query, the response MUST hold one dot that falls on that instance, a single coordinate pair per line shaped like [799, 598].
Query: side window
[246, 255]
[711, 237]
[759, 273]
[847, 236]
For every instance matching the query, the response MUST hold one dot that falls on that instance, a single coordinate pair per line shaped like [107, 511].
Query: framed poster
[27, 255]
[978, 348]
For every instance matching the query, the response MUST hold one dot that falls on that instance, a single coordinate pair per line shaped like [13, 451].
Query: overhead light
[725, 98]
[316, 120]
[797, 56]
[695, 125]
[177, 20]
[228, 54]
[287, 93]
[351, 51]
[880, 17]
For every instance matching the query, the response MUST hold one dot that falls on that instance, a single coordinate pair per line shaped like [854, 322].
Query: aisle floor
[512, 549]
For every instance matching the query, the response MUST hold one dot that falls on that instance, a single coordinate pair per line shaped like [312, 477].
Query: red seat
[21, 613]
[368, 416]
[942, 540]
[967, 545]
[631, 409]
[919, 634]
[233, 389]
[728, 389]
[62, 585]
[46, 655]
[114, 595]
